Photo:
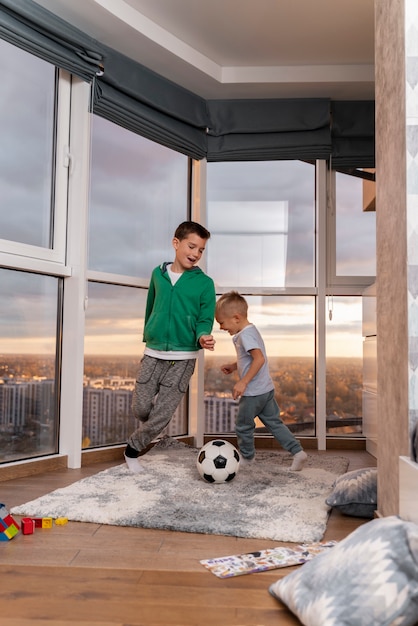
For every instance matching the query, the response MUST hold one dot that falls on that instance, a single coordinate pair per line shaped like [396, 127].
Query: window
[355, 232]
[27, 147]
[262, 218]
[139, 195]
[344, 367]
[34, 123]
[287, 325]
[29, 389]
[112, 346]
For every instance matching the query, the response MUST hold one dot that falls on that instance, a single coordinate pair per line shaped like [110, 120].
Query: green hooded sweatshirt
[176, 316]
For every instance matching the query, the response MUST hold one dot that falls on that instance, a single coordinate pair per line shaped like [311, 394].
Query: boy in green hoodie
[178, 323]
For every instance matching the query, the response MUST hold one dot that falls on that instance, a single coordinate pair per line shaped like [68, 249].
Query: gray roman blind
[268, 129]
[353, 131]
[140, 100]
[38, 31]
[131, 95]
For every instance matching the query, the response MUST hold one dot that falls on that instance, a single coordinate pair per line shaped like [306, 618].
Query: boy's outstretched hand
[228, 368]
[207, 342]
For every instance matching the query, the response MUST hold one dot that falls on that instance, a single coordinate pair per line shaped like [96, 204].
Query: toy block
[8, 526]
[43, 522]
[28, 526]
[60, 521]
[47, 522]
[11, 531]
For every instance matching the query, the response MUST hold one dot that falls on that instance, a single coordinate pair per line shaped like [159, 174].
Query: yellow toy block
[47, 522]
[11, 531]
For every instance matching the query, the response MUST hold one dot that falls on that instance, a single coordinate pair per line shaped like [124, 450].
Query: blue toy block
[9, 528]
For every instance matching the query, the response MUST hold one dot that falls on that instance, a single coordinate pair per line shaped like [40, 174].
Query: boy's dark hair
[187, 228]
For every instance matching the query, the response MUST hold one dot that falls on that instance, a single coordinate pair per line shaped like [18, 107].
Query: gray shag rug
[265, 500]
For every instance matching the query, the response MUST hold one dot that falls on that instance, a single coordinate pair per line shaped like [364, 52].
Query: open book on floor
[239, 564]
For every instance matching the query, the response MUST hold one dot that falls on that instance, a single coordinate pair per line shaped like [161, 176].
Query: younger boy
[255, 388]
[178, 323]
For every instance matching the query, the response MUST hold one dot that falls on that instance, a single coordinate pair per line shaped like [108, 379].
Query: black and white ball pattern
[218, 461]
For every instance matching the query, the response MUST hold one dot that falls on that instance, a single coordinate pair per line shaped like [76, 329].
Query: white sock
[299, 460]
[133, 464]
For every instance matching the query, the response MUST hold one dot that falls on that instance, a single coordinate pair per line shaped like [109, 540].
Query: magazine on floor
[252, 562]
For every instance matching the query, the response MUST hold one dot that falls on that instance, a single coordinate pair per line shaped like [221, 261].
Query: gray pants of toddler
[266, 408]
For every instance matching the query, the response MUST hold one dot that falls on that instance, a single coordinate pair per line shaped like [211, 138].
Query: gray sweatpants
[159, 388]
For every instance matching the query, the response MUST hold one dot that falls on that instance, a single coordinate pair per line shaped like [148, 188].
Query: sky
[261, 216]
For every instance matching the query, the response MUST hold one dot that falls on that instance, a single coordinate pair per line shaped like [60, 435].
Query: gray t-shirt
[248, 339]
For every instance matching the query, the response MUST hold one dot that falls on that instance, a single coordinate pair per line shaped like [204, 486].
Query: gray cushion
[355, 493]
[370, 578]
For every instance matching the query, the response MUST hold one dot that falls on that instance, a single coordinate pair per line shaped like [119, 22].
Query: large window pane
[355, 229]
[138, 197]
[27, 96]
[262, 218]
[28, 376]
[113, 349]
[344, 367]
[287, 325]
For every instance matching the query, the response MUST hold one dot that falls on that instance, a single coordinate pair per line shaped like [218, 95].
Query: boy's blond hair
[232, 303]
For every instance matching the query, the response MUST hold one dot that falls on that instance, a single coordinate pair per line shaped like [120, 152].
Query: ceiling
[240, 48]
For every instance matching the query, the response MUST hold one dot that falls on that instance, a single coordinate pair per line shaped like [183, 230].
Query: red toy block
[28, 526]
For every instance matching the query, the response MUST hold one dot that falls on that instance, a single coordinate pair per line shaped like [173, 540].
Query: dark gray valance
[268, 129]
[38, 31]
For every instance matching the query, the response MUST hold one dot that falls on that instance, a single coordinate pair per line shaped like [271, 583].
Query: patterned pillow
[370, 578]
[355, 493]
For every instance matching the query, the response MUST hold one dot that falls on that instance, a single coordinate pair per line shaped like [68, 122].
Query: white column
[75, 287]
[196, 387]
[321, 279]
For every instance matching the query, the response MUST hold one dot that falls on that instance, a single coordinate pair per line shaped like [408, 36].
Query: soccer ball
[218, 461]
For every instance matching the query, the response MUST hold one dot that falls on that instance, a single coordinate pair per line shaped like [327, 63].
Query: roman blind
[353, 131]
[129, 94]
[38, 31]
[268, 129]
[146, 103]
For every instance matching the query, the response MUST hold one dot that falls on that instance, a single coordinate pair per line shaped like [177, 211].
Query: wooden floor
[92, 574]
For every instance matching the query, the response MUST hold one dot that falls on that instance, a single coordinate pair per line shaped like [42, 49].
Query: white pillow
[370, 578]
